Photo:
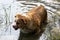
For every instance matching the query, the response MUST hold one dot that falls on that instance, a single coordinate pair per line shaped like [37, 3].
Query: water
[9, 9]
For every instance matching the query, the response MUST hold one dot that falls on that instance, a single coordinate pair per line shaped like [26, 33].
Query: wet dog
[32, 21]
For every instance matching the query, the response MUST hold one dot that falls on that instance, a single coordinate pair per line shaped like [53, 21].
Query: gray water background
[10, 8]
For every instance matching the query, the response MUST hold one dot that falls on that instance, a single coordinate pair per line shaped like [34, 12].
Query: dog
[32, 21]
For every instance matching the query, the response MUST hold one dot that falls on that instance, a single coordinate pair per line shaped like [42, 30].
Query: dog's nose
[15, 27]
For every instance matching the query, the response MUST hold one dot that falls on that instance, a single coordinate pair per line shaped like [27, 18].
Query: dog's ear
[24, 20]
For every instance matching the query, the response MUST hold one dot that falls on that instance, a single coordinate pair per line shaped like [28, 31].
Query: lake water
[8, 10]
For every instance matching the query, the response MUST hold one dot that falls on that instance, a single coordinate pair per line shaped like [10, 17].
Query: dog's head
[21, 22]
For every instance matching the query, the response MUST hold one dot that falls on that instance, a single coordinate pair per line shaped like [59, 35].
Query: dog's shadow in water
[24, 36]
[28, 36]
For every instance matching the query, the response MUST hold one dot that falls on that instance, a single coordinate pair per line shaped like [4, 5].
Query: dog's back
[39, 14]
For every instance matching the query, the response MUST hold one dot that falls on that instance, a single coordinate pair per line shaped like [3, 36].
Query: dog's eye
[17, 23]
[22, 20]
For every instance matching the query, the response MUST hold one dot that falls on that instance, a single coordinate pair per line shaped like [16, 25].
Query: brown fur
[32, 21]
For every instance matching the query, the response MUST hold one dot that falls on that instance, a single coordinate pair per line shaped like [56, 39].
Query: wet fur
[32, 21]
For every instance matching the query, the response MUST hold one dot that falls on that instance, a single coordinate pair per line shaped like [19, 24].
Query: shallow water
[8, 11]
